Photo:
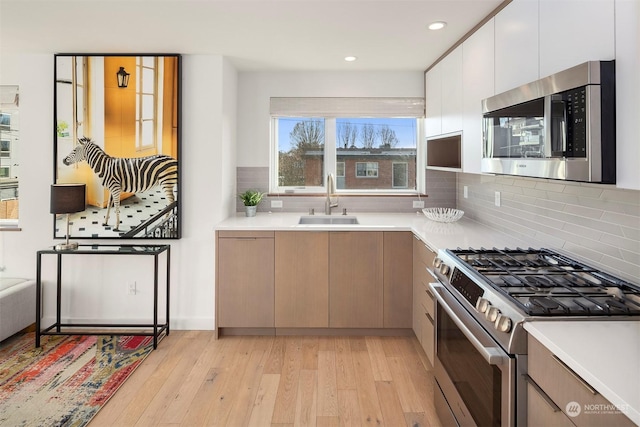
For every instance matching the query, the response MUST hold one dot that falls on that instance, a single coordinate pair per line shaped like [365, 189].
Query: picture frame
[117, 129]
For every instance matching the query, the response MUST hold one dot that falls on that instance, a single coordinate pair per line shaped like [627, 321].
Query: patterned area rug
[67, 380]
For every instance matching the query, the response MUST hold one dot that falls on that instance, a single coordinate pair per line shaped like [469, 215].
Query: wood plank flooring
[191, 379]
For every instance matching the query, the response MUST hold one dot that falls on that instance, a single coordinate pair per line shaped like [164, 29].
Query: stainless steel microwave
[559, 127]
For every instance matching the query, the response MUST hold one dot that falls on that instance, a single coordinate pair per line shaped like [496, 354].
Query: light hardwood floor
[191, 379]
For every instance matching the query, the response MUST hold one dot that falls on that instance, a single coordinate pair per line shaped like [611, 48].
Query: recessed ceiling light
[438, 25]
[350, 58]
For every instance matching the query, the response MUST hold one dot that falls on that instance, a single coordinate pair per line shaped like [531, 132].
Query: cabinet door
[516, 44]
[572, 34]
[245, 281]
[477, 79]
[356, 279]
[627, 78]
[452, 91]
[398, 279]
[302, 279]
[433, 101]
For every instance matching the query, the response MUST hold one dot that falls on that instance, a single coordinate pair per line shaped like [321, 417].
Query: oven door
[476, 378]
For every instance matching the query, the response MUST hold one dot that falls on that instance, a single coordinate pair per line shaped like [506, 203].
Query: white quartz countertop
[606, 354]
[464, 233]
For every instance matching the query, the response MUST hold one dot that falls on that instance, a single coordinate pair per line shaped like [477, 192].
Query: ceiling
[253, 34]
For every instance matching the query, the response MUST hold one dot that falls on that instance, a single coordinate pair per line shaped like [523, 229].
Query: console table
[154, 329]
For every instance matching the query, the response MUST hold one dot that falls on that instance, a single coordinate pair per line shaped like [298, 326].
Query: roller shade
[347, 107]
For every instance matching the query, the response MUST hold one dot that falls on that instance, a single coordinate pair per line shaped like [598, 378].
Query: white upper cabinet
[433, 101]
[452, 92]
[443, 97]
[574, 32]
[627, 94]
[478, 84]
[516, 44]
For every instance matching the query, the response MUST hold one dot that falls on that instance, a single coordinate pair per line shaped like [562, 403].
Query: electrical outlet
[419, 204]
[465, 192]
[276, 203]
[131, 288]
[497, 198]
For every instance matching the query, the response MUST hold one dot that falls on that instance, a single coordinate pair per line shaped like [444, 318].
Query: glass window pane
[147, 107]
[300, 151]
[147, 133]
[148, 80]
[369, 147]
[400, 176]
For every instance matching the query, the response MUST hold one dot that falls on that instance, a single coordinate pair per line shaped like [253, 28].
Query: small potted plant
[251, 200]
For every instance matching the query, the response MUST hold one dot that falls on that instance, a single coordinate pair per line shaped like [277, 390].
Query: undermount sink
[324, 220]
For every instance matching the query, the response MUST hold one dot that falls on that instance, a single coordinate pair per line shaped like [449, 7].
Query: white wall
[256, 88]
[97, 287]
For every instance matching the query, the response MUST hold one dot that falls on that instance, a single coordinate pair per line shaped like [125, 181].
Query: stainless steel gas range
[483, 298]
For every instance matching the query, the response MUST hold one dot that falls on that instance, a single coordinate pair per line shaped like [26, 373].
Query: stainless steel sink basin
[328, 220]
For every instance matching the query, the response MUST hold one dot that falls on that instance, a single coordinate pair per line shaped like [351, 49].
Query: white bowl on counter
[443, 214]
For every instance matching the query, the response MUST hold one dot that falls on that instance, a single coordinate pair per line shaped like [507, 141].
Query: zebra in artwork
[131, 175]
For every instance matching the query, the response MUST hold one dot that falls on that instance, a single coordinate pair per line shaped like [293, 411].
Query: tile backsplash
[441, 192]
[598, 223]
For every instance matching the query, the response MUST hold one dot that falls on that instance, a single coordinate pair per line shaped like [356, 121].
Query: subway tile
[550, 186]
[621, 243]
[579, 190]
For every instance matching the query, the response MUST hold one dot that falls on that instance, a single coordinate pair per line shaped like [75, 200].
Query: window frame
[7, 152]
[393, 174]
[366, 170]
[330, 163]
[156, 96]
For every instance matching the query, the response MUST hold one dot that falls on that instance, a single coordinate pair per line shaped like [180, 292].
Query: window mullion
[329, 148]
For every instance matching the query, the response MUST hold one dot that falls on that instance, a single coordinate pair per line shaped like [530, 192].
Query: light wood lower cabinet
[356, 279]
[308, 279]
[398, 279]
[245, 276]
[301, 279]
[423, 302]
[567, 392]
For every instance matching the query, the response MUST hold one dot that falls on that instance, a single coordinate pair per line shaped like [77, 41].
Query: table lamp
[67, 199]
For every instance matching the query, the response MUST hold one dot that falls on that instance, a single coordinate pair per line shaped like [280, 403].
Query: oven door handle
[493, 355]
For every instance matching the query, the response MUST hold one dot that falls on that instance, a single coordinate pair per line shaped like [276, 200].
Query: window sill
[394, 194]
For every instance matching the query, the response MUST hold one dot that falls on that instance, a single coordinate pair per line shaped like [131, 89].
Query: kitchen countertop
[464, 233]
[606, 354]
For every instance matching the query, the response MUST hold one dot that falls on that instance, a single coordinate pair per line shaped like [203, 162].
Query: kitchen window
[366, 170]
[369, 144]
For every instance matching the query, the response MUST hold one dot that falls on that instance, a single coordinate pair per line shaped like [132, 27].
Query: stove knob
[482, 305]
[503, 323]
[436, 262]
[444, 269]
[492, 314]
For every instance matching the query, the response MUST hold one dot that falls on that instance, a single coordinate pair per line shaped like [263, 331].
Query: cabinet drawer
[541, 411]
[563, 386]
[423, 252]
[426, 300]
[427, 338]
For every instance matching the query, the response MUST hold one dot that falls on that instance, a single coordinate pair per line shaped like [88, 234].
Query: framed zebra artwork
[117, 129]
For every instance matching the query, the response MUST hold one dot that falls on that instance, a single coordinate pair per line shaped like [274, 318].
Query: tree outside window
[364, 148]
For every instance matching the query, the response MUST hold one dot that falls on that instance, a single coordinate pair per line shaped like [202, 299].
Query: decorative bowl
[443, 214]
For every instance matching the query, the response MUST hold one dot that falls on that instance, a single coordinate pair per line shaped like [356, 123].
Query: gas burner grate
[545, 283]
